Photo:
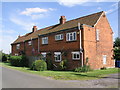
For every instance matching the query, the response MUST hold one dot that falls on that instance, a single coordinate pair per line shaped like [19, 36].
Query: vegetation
[85, 67]
[39, 65]
[67, 75]
[63, 65]
[117, 49]
[19, 61]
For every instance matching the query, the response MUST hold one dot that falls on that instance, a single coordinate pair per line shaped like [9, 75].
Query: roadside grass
[67, 75]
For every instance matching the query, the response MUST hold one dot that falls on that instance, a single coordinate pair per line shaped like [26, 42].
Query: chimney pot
[34, 29]
[62, 19]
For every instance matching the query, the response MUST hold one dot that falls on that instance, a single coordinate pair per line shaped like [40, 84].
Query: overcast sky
[18, 18]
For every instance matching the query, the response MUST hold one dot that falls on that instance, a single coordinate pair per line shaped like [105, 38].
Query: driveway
[17, 79]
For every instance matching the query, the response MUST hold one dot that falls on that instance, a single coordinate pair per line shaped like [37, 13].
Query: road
[17, 79]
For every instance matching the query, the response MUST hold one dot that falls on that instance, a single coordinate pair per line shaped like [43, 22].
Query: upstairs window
[29, 42]
[45, 40]
[18, 46]
[97, 35]
[75, 55]
[59, 37]
[71, 36]
[57, 56]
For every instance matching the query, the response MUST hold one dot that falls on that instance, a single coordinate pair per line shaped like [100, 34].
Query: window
[29, 42]
[71, 36]
[75, 55]
[44, 55]
[57, 56]
[45, 40]
[16, 54]
[97, 35]
[18, 46]
[59, 37]
[104, 59]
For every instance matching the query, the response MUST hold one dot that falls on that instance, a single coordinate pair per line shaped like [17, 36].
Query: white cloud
[36, 13]
[25, 24]
[29, 11]
[71, 3]
[7, 31]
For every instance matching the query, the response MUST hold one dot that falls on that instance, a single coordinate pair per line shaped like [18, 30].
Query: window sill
[57, 61]
[71, 41]
[75, 59]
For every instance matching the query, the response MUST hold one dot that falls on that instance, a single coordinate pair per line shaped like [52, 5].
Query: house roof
[88, 20]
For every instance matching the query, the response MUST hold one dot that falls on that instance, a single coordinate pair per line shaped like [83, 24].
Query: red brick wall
[95, 50]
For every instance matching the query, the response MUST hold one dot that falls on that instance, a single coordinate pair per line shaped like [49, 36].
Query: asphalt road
[17, 79]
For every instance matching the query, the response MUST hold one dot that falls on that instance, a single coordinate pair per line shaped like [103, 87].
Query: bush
[49, 64]
[20, 61]
[15, 60]
[63, 65]
[4, 58]
[85, 68]
[39, 65]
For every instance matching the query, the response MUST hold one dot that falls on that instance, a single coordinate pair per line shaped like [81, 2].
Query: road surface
[17, 79]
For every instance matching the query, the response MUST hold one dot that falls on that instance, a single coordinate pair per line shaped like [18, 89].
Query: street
[17, 79]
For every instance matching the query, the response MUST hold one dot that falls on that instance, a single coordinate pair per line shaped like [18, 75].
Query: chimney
[62, 19]
[34, 29]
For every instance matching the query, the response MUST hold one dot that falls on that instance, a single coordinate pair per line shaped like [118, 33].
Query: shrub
[49, 64]
[63, 65]
[85, 68]
[4, 58]
[39, 65]
[15, 60]
[20, 61]
[103, 68]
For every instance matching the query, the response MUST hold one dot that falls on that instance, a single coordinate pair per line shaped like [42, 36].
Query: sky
[18, 18]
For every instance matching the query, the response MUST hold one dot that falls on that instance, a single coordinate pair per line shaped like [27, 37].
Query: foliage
[85, 68]
[103, 68]
[117, 42]
[4, 58]
[49, 64]
[39, 65]
[20, 61]
[117, 49]
[63, 65]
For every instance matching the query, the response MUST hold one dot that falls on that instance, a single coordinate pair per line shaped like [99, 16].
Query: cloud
[36, 13]
[29, 11]
[26, 25]
[72, 3]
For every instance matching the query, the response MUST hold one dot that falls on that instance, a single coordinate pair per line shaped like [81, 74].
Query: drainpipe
[81, 50]
[38, 43]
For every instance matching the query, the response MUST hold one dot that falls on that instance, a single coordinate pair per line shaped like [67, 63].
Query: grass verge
[67, 75]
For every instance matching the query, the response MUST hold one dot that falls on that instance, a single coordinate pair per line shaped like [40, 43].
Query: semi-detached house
[88, 37]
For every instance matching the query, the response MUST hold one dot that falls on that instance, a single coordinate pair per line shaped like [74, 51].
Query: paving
[17, 79]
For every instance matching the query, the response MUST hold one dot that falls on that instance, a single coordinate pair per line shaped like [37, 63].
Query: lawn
[67, 75]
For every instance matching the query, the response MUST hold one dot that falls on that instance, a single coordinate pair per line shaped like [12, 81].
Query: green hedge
[20, 61]
[39, 65]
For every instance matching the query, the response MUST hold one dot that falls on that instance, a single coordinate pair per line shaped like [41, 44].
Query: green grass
[67, 75]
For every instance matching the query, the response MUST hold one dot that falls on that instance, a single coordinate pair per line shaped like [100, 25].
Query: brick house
[75, 40]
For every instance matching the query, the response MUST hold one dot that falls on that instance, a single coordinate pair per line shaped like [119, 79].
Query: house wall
[94, 49]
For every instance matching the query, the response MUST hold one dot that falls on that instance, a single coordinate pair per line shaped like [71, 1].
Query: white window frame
[70, 36]
[29, 43]
[18, 46]
[44, 55]
[43, 40]
[76, 53]
[97, 35]
[16, 54]
[59, 37]
[56, 54]
[104, 59]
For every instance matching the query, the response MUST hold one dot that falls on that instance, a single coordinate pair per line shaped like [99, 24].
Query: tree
[117, 49]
